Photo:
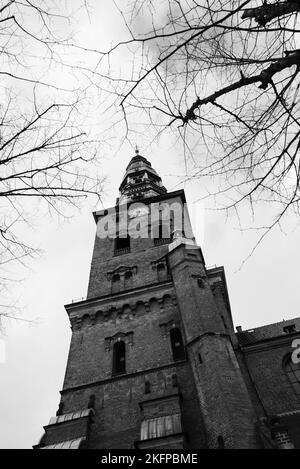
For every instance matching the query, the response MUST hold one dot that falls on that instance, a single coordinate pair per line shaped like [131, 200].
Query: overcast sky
[264, 290]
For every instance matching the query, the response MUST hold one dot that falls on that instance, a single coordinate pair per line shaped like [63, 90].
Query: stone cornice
[123, 376]
[132, 293]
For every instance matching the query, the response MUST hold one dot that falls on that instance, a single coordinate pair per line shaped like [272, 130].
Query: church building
[155, 361]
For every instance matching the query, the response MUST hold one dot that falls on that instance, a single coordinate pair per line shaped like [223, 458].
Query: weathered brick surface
[142, 317]
[117, 412]
[142, 253]
[266, 368]
[225, 383]
[224, 399]
[89, 358]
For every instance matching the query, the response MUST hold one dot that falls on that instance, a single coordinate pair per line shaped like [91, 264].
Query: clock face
[137, 210]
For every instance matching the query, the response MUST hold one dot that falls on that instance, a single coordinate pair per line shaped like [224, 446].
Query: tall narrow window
[200, 282]
[161, 272]
[221, 444]
[174, 381]
[177, 344]
[147, 387]
[115, 283]
[160, 228]
[293, 373]
[119, 363]
[91, 402]
[128, 280]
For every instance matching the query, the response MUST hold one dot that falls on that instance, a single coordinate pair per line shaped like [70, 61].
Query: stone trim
[126, 376]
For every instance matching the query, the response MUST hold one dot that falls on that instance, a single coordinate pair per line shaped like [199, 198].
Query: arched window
[221, 444]
[115, 283]
[86, 320]
[174, 381]
[91, 402]
[200, 282]
[161, 272]
[177, 344]
[119, 355]
[128, 279]
[293, 373]
[147, 387]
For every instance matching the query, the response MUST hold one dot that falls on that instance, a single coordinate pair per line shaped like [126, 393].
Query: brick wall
[223, 387]
[118, 415]
[90, 357]
[142, 253]
[266, 369]
[224, 399]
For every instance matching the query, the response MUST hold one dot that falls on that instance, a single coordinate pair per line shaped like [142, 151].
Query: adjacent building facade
[154, 359]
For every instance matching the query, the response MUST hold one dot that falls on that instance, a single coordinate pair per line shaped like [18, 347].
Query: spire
[140, 180]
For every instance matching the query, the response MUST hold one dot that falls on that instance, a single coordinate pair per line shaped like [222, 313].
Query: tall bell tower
[152, 360]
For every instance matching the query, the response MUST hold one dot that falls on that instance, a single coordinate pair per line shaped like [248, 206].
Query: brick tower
[152, 361]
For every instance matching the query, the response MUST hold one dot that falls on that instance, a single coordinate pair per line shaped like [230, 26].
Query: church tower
[152, 360]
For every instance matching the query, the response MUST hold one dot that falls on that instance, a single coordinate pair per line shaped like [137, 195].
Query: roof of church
[270, 331]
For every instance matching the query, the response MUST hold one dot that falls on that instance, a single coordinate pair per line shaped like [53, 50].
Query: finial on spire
[136, 150]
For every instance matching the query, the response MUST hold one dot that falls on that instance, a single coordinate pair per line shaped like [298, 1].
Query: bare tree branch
[224, 75]
[46, 152]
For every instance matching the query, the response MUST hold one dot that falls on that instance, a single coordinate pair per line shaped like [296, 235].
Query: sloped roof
[68, 444]
[270, 331]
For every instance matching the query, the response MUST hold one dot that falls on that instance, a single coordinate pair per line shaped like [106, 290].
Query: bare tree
[45, 151]
[225, 75]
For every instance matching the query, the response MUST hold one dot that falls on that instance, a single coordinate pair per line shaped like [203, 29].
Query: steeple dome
[140, 180]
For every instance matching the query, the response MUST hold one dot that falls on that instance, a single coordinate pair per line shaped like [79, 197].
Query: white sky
[264, 290]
